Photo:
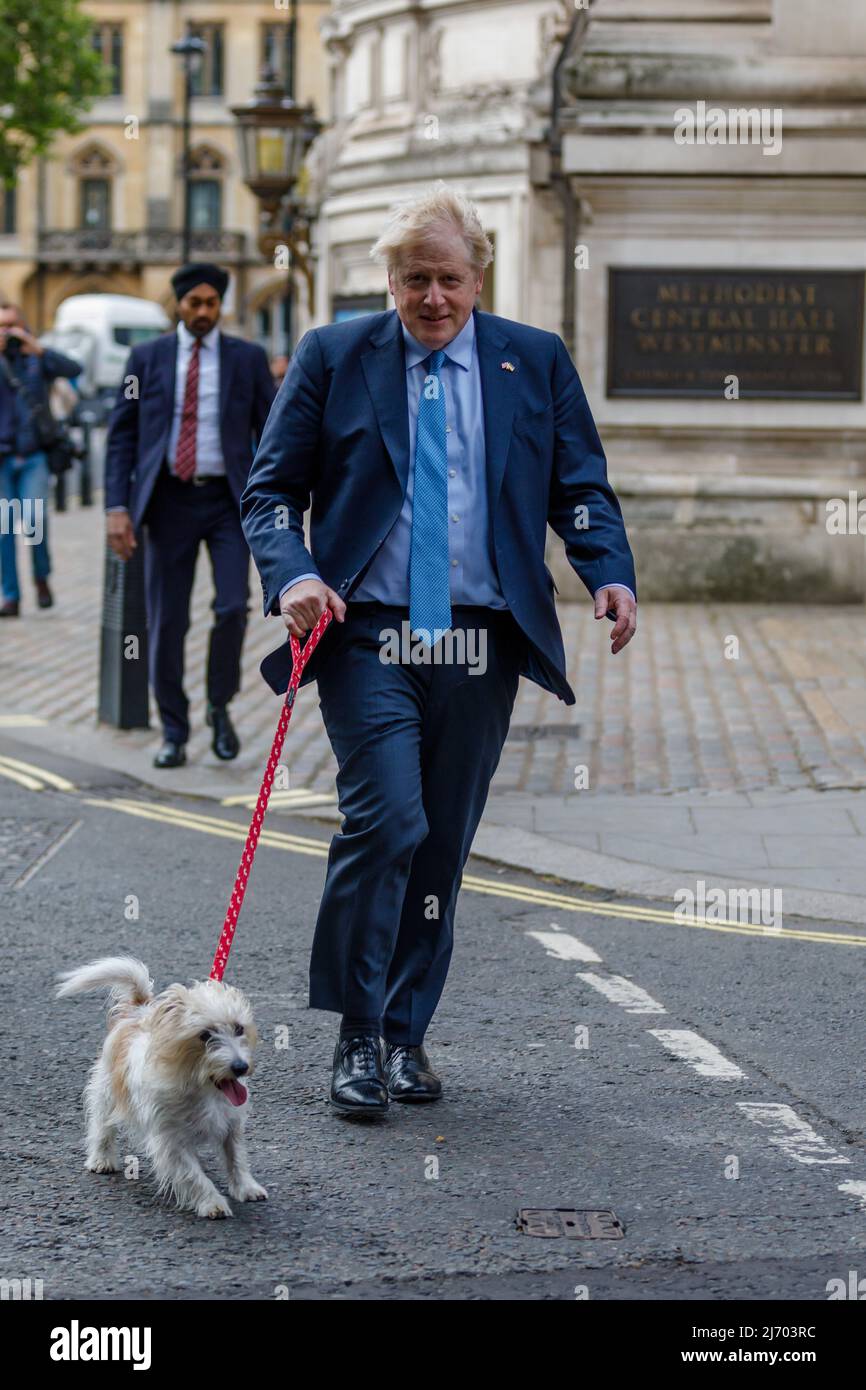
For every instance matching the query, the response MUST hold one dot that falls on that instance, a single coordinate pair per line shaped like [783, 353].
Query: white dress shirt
[208, 446]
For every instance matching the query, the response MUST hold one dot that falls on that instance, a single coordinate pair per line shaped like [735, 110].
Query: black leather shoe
[226, 743]
[44, 598]
[358, 1085]
[409, 1074]
[170, 755]
[11, 609]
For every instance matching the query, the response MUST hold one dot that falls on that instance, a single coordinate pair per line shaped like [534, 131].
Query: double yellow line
[538, 897]
[34, 778]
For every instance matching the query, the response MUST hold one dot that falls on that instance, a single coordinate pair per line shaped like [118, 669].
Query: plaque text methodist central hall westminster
[795, 334]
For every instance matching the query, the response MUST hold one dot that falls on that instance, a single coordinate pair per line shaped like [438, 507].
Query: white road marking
[791, 1134]
[47, 854]
[564, 947]
[621, 991]
[856, 1189]
[696, 1052]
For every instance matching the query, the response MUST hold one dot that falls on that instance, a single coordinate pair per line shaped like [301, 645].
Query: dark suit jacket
[139, 429]
[37, 374]
[339, 432]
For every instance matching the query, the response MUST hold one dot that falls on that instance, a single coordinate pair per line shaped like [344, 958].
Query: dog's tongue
[233, 1091]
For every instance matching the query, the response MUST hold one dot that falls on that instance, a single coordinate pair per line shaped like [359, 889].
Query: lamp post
[274, 135]
[190, 49]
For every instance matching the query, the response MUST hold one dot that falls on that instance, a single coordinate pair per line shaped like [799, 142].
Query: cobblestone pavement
[673, 712]
[717, 739]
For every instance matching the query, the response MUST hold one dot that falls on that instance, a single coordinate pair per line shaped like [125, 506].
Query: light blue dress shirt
[472, 571]
[473, 576]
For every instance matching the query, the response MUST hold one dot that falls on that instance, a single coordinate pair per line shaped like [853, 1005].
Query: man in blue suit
[180, 443]
[437, 443]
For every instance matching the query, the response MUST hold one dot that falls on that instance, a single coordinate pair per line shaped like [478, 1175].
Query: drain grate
[530, 733]
[574, 1225]
[25, 845]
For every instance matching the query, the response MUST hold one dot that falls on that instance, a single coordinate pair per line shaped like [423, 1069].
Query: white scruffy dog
[169, 1074]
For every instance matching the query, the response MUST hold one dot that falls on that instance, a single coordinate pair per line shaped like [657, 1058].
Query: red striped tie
[184, 459]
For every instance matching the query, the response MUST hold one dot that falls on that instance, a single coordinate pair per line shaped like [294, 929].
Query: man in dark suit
[180, 443]
[437, 442]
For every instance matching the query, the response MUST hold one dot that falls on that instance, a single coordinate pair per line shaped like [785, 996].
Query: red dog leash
[299, 661]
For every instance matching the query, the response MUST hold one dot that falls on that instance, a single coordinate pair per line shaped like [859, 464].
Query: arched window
[207, 170]
[94, 168]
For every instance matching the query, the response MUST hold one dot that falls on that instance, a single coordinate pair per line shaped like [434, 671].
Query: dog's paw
[214, 1207]
[249, 1191]
[102, 1165]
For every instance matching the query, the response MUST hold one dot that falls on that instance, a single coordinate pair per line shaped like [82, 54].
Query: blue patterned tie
[429, 588]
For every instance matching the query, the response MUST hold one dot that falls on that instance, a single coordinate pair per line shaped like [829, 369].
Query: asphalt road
[773, 1093]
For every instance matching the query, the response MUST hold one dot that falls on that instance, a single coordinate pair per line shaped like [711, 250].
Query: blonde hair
[412, 221]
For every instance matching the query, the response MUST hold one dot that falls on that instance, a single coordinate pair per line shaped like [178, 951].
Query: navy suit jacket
[51, 366]
[139, 429]
[339, 433]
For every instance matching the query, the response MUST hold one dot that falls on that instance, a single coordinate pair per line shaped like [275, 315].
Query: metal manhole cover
[26, 844]
[574, 1225]
[529, 733]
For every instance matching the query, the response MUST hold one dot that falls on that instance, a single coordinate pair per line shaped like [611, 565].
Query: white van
[98, 331]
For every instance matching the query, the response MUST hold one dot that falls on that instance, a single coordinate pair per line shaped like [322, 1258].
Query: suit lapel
[384, 367]
[499, 390]
[227, 366]
[167, 366]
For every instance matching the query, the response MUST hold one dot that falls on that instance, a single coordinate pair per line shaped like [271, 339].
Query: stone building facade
[731, 418]
[439, 91]
[104, 211]
[677, 187]
[727, 495]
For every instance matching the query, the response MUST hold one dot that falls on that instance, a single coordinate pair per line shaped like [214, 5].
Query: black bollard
[88, 415]
[123, 650]
[85, 472]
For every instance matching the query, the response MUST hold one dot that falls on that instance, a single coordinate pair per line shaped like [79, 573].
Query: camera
[12, 347]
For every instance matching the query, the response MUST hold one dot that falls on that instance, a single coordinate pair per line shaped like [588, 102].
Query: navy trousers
[179, 517]
[417, 746]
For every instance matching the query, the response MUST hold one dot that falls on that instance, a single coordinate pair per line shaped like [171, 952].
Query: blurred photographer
[29, 437]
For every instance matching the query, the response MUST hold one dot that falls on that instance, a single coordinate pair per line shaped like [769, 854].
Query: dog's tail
[124, 976]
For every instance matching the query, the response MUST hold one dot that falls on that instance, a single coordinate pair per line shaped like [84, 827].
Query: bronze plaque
[787, 334]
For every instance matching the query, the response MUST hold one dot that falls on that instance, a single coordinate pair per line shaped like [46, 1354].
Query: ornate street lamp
[274, 134]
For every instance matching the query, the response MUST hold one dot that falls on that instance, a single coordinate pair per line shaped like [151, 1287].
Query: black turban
[199, 273]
